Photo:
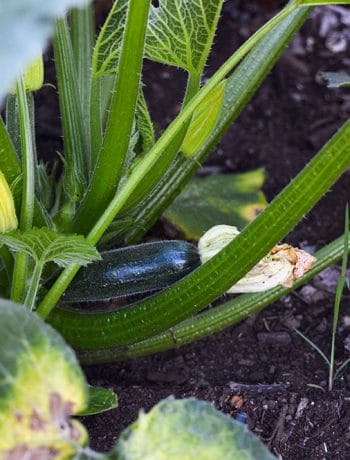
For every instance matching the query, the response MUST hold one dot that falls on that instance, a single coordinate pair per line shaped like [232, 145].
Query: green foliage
[116, 173]
[188, 429]
[108, 45]
[99, 400]
[41, 386]
[45, 245]
[113, 171]
[232, 199]
[181, 32]
[203, 121]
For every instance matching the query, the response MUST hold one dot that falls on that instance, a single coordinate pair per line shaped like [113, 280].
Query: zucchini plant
[118, 177]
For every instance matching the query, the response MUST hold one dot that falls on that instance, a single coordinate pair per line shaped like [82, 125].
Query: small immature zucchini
[133, 270]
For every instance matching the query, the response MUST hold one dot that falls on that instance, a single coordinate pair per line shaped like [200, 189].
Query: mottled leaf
[181, 32]
[232, 199]
[41, 386]
[188, 429]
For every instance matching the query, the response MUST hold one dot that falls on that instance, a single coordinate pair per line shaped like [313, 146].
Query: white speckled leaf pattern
[181, 32]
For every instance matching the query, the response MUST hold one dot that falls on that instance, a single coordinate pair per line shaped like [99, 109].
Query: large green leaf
[41, 386]
[181, 32]
[232, 199]
[25, 27]
[188, 429]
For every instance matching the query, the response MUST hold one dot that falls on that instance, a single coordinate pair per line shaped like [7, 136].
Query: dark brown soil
[290, 118]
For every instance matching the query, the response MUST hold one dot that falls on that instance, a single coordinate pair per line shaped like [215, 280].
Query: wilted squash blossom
[281, 266]
[8, 218]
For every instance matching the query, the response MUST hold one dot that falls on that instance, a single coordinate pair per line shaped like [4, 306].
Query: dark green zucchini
[133, 270]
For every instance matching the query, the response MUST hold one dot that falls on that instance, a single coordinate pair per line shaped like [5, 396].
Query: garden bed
[290, 118]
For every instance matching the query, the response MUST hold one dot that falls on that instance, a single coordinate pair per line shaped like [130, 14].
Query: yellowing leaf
[188, 429]
[41, 387]
[231, 199]
[203, 121]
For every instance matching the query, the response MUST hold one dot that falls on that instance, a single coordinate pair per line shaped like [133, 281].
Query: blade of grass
[215, 319]
[115, 145]
[314, 346]
[340, 368]
[212, 279]
[338, 296]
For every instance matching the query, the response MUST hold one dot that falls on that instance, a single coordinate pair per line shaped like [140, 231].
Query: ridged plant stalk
[82, 33]
[77, 157]
[28, 189]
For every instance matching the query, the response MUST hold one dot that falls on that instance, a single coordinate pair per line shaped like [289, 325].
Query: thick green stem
[115, 145]
[28, 189]
[95, 120]
[82, 32]
[33, 288]
[160, 167]
[194, 292]
[77, 156]
[215, 319]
